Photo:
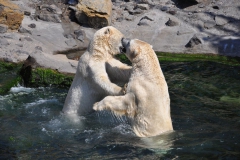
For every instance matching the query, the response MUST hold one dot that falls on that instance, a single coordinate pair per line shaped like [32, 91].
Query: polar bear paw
[98, 107]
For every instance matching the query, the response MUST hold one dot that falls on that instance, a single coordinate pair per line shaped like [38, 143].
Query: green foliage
[186, 57]
[46, 77]
[123, 58]
[183, 57]
[11, 139]
[9, 76]
[7, 85]
[4, 66]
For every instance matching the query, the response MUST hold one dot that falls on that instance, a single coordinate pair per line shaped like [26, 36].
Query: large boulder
[95, 13]
[10, 14]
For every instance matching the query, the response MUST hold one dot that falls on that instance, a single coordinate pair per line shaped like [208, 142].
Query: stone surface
[3, 28]
[96, 12]
[193, 42]
[71, 42]
[143, 6]
[216, 28]
[32, 25]
[10, 14]
[221, 20]
[80, 35]
[4, 42]
[144, 22]
[171, 23]
[27, 13]
[49, 17]
[209, 24]
[51, 8]
[24, 30]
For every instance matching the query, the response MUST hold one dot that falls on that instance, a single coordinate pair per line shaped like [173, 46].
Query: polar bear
[146, 102]
[97, 70]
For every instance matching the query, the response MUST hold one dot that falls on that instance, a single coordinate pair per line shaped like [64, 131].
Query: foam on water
[21, 89]
[41, 101]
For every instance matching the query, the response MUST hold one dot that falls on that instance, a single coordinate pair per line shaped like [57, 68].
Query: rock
[202, 1]
[209, 24]
[25, 39]
[27, 13]
[129, 7]
[172, 11]
[19, 45]
[3, 42]
[38, 48]
[24, 30]
[216, 7]
[49, 13]
[51, 9]
[119, 19]
[26, 70]
[146, 17]
[50, 17]
[201, 5]
[71, 42]
[98, 12]
[32, 25]
[143, 6]
[3, 28]
[220, 20]
[136, 11]
[80, 35]
[28, 39]
[193, 42]
[72, 2]
[146, 1]
[11, 35]
[68, 36]
[72, 8]
[81, 17]
[143, 22]
[130, 18]
[164, 8]
[171, 23]
[10, 14]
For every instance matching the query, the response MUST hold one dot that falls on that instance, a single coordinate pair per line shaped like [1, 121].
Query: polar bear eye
[107, 31]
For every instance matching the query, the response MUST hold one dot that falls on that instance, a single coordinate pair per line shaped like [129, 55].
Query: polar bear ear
[107, 31]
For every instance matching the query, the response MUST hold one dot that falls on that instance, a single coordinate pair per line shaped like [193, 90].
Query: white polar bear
[147, 101]
[96, 69]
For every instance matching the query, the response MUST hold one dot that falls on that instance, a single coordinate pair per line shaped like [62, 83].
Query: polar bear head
[107, 40]
[134, 48]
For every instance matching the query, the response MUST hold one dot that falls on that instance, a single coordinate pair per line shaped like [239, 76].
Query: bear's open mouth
[125, 44]
[122, 49]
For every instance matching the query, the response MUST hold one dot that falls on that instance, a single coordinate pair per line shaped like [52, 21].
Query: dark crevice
[185, 3]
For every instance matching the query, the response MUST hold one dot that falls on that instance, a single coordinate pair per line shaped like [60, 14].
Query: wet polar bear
[146, 101]
[96, 70]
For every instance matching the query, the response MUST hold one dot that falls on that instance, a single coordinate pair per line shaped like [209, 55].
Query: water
[205, 109]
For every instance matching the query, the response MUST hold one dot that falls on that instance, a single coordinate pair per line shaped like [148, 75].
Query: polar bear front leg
[120, 105]
[118, 71]
[101, 80]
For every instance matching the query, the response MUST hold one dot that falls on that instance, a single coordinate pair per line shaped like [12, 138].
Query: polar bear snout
[125, 44]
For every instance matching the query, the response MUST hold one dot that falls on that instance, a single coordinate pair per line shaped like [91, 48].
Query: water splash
[42, 101]
[21, 89]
